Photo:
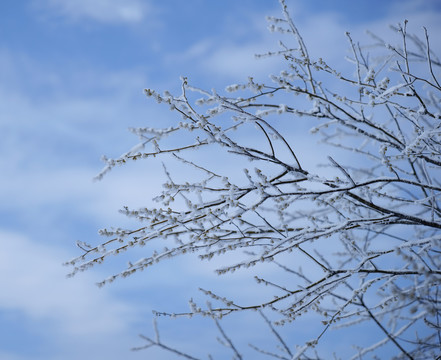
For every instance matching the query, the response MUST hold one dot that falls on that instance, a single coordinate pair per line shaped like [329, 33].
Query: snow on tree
[367, 223]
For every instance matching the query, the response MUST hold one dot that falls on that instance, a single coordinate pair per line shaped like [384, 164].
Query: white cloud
[53, 148]
[105, 11]
[323, 33]
[33, 282]
[230, 58]
[238, 61]
[70, 318]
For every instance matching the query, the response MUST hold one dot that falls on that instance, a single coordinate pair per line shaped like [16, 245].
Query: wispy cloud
[104, 11]
[77, 318]
[36, 286]
[233, 59]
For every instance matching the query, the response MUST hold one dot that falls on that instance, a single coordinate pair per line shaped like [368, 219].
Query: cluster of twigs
[370, 230]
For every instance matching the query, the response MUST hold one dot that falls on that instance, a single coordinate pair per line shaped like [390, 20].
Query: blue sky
[71, 79]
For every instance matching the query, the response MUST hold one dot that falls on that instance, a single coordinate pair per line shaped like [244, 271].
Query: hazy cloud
[105, 11]
[36, 285]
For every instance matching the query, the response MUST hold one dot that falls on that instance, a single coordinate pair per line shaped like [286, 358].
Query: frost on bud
[232, 88]
[149, 92]
[282, 109]
[383, 84]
